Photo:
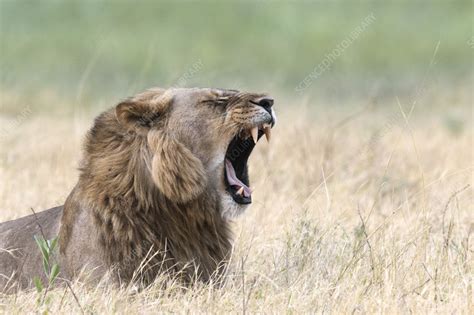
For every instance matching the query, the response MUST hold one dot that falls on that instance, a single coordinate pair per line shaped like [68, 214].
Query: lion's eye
[220, 101]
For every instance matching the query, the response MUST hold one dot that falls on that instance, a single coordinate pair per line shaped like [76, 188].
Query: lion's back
[19, 256]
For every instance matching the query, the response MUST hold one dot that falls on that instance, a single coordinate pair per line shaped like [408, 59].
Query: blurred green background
[83, 51]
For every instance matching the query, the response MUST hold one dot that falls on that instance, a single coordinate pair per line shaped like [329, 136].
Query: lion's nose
[266, 103]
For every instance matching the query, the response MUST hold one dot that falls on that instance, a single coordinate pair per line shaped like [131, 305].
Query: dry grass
[368, 214]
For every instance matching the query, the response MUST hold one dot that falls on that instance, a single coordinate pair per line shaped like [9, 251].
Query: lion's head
[199, 139]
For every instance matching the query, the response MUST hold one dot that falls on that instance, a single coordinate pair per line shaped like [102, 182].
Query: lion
[163, 175]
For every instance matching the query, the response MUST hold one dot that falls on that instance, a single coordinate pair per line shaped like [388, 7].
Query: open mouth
[236, 175]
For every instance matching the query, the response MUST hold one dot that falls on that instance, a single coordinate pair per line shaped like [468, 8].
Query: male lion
[162, 174]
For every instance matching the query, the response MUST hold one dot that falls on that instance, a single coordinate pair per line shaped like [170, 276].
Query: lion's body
[20, 259]
[149, 190]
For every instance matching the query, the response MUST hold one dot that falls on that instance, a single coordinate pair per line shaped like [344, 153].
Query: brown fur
[150, 188]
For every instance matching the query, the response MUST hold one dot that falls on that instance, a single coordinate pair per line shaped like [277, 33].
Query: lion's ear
[140, 112]
[176, 171]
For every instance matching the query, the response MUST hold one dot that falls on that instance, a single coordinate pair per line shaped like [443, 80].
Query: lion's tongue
[234, 181]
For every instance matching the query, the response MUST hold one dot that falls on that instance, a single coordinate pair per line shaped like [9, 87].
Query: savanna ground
[363, 200]
[363, 211]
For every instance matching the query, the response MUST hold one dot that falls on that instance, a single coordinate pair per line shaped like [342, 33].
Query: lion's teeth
[240, 191]
[254, 132]
[268, 133]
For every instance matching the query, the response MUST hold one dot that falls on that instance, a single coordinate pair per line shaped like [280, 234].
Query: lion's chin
[231, 209]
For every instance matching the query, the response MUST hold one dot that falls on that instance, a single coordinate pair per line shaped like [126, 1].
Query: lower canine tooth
[240, 191]
[268, 133]
[254, 132]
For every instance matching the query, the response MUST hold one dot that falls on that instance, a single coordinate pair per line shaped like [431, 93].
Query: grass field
[361, 211]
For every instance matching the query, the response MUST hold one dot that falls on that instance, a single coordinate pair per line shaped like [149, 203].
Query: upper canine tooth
[240, 191]
[268, 133]
[254, 132]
